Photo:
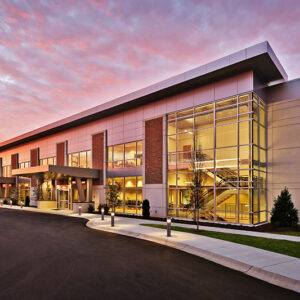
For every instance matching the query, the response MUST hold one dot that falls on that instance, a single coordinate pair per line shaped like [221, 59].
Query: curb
[259, 273]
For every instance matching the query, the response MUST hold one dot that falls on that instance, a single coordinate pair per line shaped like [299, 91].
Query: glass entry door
[63, 199]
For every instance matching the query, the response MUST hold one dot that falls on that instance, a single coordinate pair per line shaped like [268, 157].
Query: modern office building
[236, 119]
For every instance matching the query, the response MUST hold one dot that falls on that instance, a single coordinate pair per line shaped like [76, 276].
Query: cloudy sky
[60, 57]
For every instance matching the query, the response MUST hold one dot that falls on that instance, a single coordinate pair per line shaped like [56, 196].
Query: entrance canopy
[7, 180]
[56, 172]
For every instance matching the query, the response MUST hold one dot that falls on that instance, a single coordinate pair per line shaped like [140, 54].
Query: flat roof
[259, 58]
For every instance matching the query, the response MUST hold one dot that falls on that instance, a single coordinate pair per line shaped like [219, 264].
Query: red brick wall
[98, 156]
[154, 151]
[60, 153]
[34, 157]
[14, 161]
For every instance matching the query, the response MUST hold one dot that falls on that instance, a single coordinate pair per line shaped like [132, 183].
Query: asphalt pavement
[44, 256]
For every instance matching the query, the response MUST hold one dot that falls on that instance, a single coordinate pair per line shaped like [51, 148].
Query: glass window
[172, 127]
[223, 149]
[184, 125]
[110, 154]
[185, 142]
[204, 108]
[204, 139]
[230, 113]
[130, 151]
[130, 182]
[82, 157]
[118, 152]
[125, 155]
[262, 116]
[184, 113]
[75, 160]
[244, 133]
[131, 195]
[244, 157]
[226, 102]
[226, 158]
[88, 159]
[226, 135]
[204, 120]
[255, 133]
[262, 136]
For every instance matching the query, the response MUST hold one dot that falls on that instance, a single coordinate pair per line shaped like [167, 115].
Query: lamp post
[169, 222]
[22, 204]
[79, 210]
[112, 219]
[10, 203]
[102, 213]
[1, 202]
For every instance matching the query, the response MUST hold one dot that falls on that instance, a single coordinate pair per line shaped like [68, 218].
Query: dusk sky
[60, 57]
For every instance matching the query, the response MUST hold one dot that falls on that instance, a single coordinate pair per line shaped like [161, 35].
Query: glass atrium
[230, 134]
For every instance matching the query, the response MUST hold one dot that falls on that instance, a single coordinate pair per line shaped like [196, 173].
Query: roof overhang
[260, 58]
[56, 172]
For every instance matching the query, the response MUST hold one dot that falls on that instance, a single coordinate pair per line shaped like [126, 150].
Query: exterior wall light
[112, 219]
[102, 213]
[169, 223]
[79, 210]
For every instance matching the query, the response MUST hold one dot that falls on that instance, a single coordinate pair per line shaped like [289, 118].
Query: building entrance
[63, 199]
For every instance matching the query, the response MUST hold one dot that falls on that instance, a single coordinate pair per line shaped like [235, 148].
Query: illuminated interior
[125, 155]
[131, 194]
[230, 135]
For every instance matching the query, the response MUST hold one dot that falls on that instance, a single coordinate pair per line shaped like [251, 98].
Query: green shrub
[284, 214]
[146, 209]
[91, 209]
[106, 208]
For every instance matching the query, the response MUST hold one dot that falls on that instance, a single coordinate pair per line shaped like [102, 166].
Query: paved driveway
[54, 257]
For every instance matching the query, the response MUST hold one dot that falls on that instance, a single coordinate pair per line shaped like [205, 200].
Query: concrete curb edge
[259, 273]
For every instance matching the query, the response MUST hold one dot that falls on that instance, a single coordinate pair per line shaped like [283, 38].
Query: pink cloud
[60, 57]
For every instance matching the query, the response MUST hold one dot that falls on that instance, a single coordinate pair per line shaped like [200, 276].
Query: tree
[15, 196]
[198, 192]
[284, 214]
[38, 193]
[113, 194]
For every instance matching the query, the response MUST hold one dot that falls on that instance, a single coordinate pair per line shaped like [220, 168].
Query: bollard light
[10, 203]
[1, 202]
[79, 210]
[102, 213]
[169, 223]
[21, 204]
[112, 219]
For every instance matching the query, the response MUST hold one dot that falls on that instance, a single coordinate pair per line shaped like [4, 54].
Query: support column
[80, 189]
[6, 190]
[1, 191]
[89, 191]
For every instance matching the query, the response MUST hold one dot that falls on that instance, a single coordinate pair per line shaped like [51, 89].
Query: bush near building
[284, 214]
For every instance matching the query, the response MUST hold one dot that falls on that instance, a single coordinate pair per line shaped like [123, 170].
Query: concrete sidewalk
[278, 269]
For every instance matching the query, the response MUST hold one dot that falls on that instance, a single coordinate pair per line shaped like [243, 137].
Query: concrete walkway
[278, 269]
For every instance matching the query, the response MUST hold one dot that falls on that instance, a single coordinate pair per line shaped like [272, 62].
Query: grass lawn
[279, 246]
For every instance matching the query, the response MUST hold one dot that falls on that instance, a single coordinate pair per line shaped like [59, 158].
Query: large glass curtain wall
[226, 140]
